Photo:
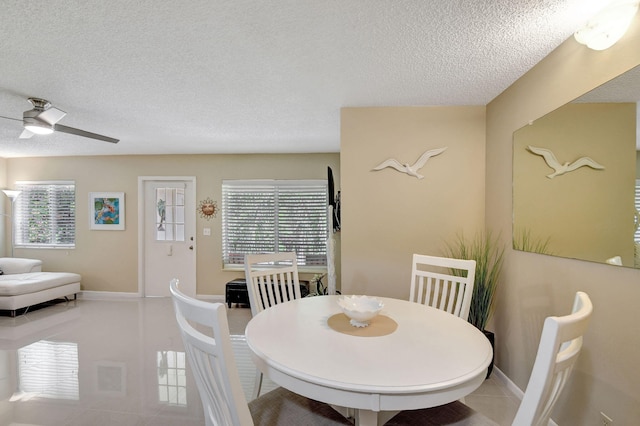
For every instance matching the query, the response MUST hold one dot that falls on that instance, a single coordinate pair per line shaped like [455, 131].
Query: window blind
[49, 370]
[45, 214]
[274, 216]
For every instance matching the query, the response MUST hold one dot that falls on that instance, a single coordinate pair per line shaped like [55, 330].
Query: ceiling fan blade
[26, 134]
[78, 132]
[51, 115]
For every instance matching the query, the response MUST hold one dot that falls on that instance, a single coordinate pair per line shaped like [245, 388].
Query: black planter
[492, 339]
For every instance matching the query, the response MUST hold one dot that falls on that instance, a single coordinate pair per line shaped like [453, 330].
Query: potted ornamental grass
[488, 252]
[524, 240]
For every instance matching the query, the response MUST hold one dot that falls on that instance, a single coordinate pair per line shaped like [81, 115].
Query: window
[45, 214]
[170, 214]
[260, 216]
[172, 378]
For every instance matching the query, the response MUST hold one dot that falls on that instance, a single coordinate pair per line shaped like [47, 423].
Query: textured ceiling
[256, 76]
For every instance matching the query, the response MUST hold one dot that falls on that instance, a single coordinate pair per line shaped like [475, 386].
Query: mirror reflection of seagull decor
[406, 168]
[567, 167]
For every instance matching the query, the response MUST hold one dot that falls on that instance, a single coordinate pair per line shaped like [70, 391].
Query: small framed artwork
[106, 211]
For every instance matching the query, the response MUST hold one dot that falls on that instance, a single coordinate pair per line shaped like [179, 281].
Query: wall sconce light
[12, 194]
[608, 26]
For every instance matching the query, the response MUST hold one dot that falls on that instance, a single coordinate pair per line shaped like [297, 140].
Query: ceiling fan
[43, 119]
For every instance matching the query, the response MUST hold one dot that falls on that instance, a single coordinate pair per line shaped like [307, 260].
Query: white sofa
[23, 284]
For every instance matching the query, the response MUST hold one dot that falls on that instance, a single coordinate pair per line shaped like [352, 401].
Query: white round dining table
[431, 358]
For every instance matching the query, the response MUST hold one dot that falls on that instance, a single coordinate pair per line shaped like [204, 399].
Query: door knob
[190, 247]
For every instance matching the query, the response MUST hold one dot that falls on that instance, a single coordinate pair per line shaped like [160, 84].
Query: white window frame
[311, 251]
[172, 378]
[21, 215]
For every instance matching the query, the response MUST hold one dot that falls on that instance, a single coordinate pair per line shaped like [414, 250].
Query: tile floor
[120, 362]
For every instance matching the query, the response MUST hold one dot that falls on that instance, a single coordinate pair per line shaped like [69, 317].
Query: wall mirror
[568, 206]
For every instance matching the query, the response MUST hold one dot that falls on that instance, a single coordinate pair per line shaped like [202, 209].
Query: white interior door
[168, 239]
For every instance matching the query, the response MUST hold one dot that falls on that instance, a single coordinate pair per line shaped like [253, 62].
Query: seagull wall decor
[411, 170]
[560, 169]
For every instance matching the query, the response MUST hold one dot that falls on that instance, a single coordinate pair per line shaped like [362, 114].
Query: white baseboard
[508, 383]
[115, 295]
[513, 388]
[106, 295]
[215, 298]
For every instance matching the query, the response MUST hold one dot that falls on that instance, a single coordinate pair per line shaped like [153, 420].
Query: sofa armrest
[18, 265]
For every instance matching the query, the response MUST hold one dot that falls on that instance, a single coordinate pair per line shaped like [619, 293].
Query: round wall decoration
[208, 208]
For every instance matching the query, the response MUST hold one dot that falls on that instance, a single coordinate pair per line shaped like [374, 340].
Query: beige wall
[607, 377]
[584, 213]
[387, 216]
[5, 223]
[120, 272]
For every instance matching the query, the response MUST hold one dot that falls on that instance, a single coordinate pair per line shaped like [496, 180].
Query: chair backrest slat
[272, 278]
[452, 292]
[445, 290]
[438, 294]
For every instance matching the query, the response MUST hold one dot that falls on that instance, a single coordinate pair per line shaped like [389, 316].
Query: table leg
[366, 418]
[373, 418]
[347, 413]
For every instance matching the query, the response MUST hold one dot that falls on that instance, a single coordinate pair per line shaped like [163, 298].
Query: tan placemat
[380, 325]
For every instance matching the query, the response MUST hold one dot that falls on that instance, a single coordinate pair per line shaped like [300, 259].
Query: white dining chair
[212, 362]
[433, 283]
[560, 345]
[272, 278]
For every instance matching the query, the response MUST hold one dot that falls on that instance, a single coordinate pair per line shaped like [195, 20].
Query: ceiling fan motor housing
[31, 122]
[42, 118]
[40, 104]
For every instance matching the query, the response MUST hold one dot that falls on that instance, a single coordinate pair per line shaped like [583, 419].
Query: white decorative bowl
[360, 309]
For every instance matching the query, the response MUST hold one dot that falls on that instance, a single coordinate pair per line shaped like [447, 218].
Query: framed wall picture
[106, 211]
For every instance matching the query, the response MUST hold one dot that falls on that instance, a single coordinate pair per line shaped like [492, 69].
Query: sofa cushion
[18, 265]
[13, 285]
